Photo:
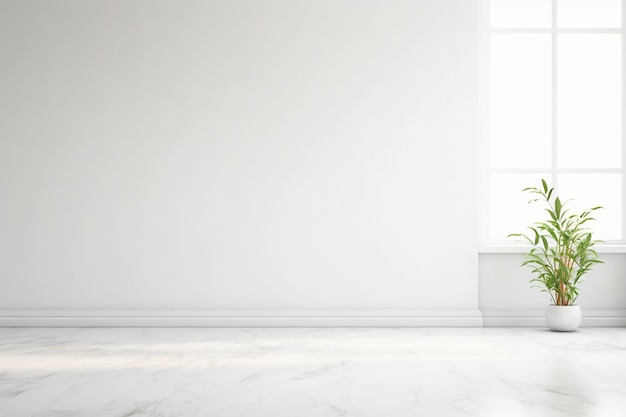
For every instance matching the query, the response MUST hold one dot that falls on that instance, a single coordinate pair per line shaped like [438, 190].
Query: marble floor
[297, 372]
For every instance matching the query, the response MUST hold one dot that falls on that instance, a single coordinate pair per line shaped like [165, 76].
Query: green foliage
[562, 247]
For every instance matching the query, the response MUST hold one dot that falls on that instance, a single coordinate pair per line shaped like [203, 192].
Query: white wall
[241, 155]
[507, 298]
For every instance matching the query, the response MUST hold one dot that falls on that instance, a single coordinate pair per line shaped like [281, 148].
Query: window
[554, 105]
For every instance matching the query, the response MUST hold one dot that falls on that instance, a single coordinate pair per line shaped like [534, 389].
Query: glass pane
[520, 122]
[590, 190]
[589, 101]
[590, 14]
[520, 13]
[509, 211]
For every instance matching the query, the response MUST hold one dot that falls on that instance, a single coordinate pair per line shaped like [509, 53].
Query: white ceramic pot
[563, 318]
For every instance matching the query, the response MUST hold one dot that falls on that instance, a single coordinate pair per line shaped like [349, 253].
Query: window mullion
[623, 31]
[487, 153]
[555, 128]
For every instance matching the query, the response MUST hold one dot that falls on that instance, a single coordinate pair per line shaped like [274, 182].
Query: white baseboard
[535, 318]
[296, 318]
[239, 318]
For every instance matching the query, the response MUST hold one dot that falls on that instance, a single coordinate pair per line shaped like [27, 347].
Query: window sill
[503, 248]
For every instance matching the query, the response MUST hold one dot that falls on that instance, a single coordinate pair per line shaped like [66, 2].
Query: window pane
[590, 190]
[520, 125]
[589, 101]
[521, 13]
[509, 211]
[590, 14]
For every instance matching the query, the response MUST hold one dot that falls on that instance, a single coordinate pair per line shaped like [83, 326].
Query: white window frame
[485, 30]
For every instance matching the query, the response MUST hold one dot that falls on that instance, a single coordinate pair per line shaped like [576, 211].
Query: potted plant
[561, 254]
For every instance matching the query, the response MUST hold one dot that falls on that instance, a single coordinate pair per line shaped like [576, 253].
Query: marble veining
[276, 372]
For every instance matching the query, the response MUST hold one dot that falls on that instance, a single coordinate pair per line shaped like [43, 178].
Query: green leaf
[536, 236]
[545, 186]
[552, 215]
[557, 207]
